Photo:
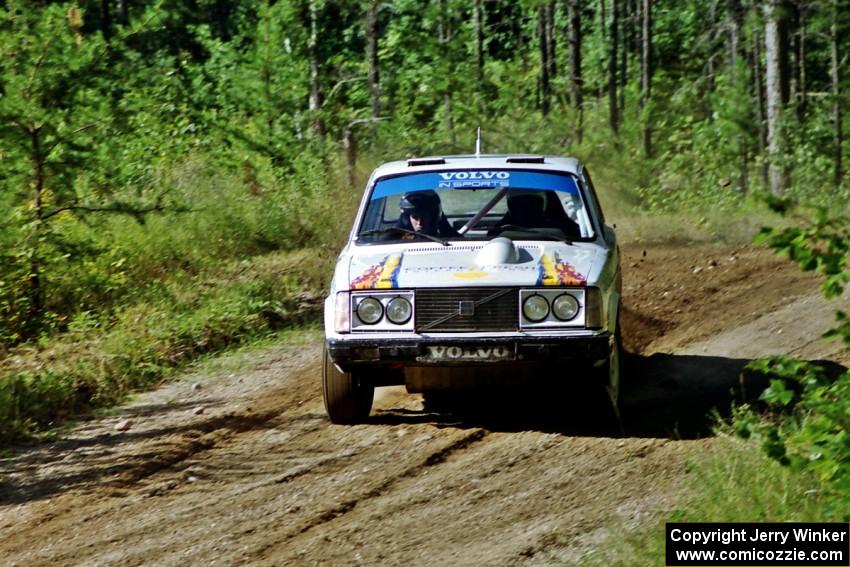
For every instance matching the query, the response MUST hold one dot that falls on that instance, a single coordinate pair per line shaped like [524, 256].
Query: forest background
[178, 175]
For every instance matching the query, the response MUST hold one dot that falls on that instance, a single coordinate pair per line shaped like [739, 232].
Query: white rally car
[472, 270]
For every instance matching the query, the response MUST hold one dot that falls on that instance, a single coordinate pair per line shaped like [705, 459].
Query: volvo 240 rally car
[469, 269]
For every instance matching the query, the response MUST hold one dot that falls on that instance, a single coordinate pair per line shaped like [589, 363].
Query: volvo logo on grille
[466, 308]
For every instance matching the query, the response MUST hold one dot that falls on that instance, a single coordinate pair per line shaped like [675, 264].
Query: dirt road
[238, 465]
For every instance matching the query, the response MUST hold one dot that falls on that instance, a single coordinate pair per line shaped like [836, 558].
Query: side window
[372, 219]
[586, 175]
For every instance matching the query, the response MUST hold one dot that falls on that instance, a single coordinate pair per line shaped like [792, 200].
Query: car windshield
[475, 205]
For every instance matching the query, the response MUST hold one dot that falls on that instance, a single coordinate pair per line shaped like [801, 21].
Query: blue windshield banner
[474, 179]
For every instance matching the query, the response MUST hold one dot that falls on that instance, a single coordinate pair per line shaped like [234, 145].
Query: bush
[101, 359]
[808, 426]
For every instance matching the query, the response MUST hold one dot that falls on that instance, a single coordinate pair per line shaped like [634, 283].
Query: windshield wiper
[405, 231]
[535, 231]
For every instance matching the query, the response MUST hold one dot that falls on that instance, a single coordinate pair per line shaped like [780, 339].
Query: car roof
[506, 161]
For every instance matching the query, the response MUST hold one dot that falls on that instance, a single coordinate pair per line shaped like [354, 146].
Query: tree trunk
[267, 71]
[799, 65]
[544, 60]
[36, 294]
[625, 18]
[221, 9]
[316, 96]
[518, 30]
[734, 20]
[349, 144]
[613, 114]
[838, 138]
[478, 25]
[603, 31]
[711, 71]
[793, 28]
[776, 95]
[634, 33]
[123, 16]
[551, 47]
[574, 35]
[646, 74]
[445, 35]
[758, 94]
[734, 23]
[372, 56]
[105, 19]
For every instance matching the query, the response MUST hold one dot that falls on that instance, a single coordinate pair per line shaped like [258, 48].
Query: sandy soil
[237, 465]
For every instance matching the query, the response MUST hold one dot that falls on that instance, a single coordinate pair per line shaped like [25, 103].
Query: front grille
[497, 314]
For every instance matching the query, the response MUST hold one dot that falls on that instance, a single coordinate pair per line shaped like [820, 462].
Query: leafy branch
[809, 430]
[120, 208]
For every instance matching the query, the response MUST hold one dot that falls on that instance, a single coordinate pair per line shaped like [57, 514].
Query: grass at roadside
[246, 355]
[100, 360]
[733, 482]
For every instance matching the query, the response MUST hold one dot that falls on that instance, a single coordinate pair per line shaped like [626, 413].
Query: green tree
[58, 113]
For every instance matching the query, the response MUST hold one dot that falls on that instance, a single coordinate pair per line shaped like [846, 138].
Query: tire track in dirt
[262, 478]
[140, 468]
[283, 523]
[495, 503]
[143, 532]
[433, 459]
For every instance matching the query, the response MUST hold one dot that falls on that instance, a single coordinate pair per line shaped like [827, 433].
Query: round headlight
[565, 307]
[370, 310]
[535, 308]
[399, 310]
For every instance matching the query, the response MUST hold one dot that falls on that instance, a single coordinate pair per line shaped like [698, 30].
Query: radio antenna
[478, 143]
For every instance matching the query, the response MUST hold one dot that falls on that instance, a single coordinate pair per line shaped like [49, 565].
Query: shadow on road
[663, 395]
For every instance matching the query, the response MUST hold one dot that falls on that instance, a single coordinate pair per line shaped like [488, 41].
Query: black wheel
[347, 399]
[610, 376]
[436, 401]
[605, 395]
[614, 370]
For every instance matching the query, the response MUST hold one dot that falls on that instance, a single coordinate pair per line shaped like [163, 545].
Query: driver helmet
[425, 205]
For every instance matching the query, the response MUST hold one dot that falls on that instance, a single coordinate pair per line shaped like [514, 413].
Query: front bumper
[466, 351]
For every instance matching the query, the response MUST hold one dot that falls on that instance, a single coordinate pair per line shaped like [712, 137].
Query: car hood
[498, 262]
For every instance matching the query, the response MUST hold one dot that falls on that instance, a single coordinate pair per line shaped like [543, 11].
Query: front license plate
[471, 354]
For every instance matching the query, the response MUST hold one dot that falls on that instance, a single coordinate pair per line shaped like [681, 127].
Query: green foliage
[821, 244]
[808, 428]
[14, 303]
[730, 481]
[143, 147]
[101, 359]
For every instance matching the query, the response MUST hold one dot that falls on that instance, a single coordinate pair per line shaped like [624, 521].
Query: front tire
[347, 399]
[614, 368]
[436, 401]
[610, 377]
[606, 386]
